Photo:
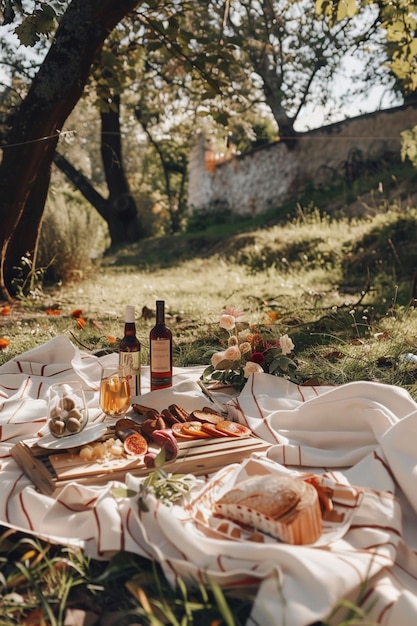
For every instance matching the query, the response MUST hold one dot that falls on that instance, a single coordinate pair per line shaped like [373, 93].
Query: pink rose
[234, 312]
[217, 358]
[232, 353]
[245, 347]
[227, 322]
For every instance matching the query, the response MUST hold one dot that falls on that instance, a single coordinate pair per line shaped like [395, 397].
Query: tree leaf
[122, 492]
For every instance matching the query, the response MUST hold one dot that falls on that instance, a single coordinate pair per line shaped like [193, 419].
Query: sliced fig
[125, 427]
[165, 439]
[135, 444]
[149, 460]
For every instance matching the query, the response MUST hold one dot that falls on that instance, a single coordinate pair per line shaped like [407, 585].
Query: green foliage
[40, 23]
[65, 251]
[385, 250]
[336, 11]
[409, 145]
[397, 18]
[203, 219]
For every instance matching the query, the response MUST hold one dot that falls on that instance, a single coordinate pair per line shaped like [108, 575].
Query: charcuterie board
[50, 471]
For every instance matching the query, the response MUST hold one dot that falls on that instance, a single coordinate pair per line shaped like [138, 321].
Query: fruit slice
[234, 429]
[212, 430]
[177, 430]
[194, 429]
[135, 444]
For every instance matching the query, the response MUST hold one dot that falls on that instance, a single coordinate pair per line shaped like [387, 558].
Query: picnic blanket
[359, 437]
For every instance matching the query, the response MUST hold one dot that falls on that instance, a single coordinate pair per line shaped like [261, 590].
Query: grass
[341, 288]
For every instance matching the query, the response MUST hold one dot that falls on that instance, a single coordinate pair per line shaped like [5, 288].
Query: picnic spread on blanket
[353, 446]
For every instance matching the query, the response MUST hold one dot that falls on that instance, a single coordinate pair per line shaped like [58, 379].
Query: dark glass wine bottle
[129, 351]
[160, 348]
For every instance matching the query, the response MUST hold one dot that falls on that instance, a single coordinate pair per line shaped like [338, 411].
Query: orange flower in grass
[111, 339]
[76, 313]
[273, 316]
[4, 343]
[53, 312]
[80, 322]
[5, 310]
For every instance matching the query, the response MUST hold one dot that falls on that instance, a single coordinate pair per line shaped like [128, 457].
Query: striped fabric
[359, 437]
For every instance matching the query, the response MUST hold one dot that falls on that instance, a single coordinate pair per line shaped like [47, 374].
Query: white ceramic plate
[89, 434]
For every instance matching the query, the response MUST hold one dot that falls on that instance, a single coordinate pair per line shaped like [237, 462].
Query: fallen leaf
[147, 314]
[5, 310]
[334, 356]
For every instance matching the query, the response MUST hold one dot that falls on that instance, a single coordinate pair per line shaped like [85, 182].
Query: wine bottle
[129, 351]
[160, 347]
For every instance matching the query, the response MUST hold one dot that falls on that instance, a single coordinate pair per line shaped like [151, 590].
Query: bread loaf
[285, 507]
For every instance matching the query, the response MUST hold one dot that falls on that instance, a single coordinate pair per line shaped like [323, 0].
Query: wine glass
[115, 393]
[67, 409]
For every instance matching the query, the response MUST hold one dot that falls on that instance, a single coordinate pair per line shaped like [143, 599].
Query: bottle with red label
[160, 348]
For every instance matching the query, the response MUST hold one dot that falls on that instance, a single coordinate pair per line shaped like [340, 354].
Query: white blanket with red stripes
[359, 437]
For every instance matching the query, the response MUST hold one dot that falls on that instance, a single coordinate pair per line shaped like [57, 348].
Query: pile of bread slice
[284, 506]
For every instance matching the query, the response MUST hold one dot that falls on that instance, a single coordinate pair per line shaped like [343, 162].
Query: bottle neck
[130, 329]
[160, 312]
[130, 326]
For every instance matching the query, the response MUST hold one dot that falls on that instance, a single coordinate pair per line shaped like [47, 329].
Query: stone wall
[265, 178]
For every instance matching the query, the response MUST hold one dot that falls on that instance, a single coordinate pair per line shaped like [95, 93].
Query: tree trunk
[120, 210]
[26, 166]
[81, 183]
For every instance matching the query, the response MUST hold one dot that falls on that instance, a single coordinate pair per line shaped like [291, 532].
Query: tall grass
[73, 237]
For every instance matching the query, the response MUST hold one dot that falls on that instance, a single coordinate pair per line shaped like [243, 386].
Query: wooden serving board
[51, 471]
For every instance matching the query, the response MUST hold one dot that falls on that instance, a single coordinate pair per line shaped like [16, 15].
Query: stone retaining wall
[267, 177]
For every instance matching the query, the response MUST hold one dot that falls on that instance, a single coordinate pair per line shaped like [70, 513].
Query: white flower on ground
[251, 368]
[286, 344]
[227, 322]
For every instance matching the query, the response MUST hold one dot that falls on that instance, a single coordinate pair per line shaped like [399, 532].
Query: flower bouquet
[248, 351]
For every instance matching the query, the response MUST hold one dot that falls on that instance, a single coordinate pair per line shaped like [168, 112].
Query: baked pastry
[285, 507]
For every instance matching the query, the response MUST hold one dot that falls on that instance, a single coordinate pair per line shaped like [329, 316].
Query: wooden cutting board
[50, 472]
